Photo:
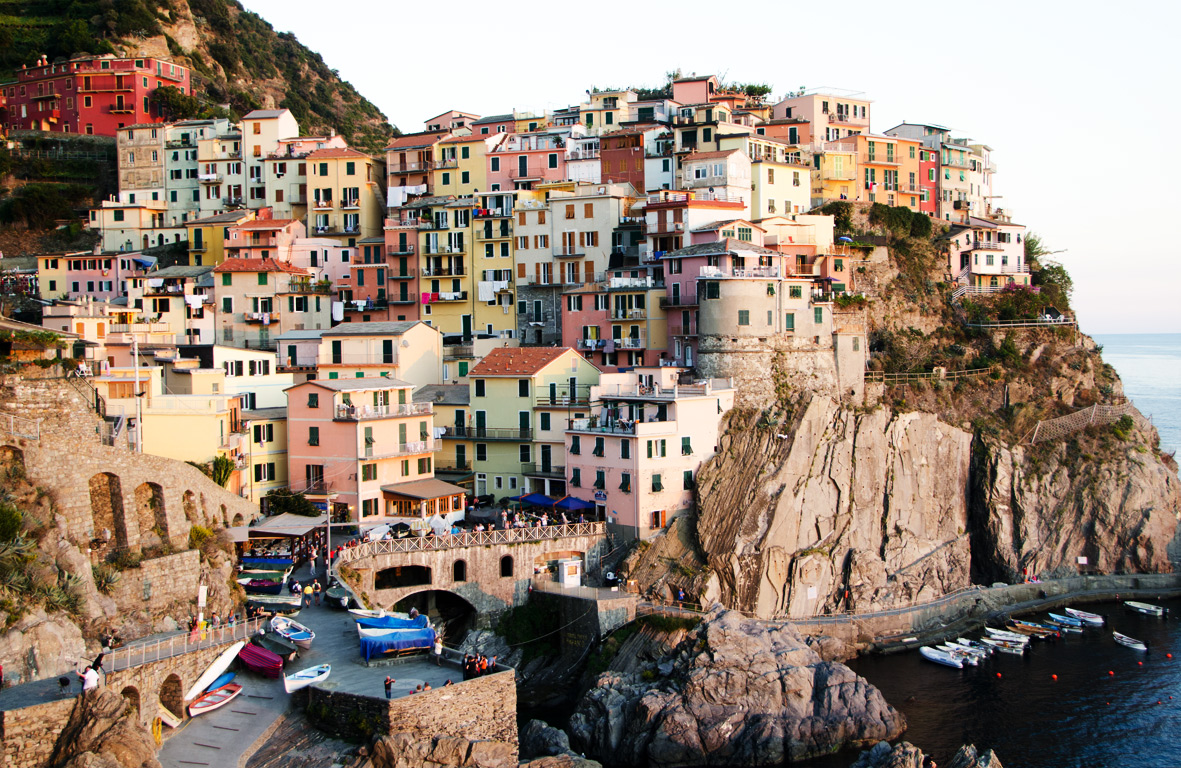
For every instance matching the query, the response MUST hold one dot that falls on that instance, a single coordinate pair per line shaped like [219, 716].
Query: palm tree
[221, 470]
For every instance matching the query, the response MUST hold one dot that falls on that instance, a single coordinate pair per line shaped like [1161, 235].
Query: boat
[978, 652]
[306, 677]
[1006, 646]
[1067, 628]
[284, 649]
[214, 670]
[292, 630]
[1073, 621]
[978, 645]
[1093, 619]
[339, 596]
[279, 576]
[261, 586]
[1148, 609]
[1002, 634]
[379, 613]
[224, 679]
[959, 652]
[289, 604]
[941, 657]
[1032, 628]
[167, 717]
[261, 660]
[214, 699]
[1130, 642]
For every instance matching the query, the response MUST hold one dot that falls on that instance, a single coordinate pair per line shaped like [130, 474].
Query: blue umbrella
[538, 500]
[571, 504]
[844, 239]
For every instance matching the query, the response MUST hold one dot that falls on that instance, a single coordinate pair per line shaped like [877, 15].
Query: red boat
[261, 660]
[214, 699]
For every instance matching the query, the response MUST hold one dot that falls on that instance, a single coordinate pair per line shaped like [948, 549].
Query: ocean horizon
[1149, 365]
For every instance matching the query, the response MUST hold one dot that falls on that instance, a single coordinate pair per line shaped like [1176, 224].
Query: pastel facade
[208, 236]
[888, 168]
[266, 453]
[411, 351]
[347, 199]
[180, 298]
[832, 115]
[987, 254]
[259, 299]
[83, 273]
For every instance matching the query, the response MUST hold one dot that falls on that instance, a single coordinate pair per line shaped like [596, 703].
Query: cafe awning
[286, 525]
[423, 489]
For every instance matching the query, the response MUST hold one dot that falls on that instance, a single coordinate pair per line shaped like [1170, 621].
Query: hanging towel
[426, 298]
[499, 285]
[485, 291]
[337, 311]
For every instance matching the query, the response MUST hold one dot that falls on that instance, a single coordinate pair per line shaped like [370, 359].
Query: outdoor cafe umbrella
[844, 239]
[571, 504]
[537, 500]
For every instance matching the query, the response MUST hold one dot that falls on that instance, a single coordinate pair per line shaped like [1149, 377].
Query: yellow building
[266, 451]
[521, 400]
[889, 169]
[606, 110]
[834, 174]
[461, 165]
[346, 195]
[780, 176]
[207, 236]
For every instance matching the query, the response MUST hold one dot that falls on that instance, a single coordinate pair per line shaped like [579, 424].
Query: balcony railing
[350, 203]
[458, 352]
[629, 314]
[582, 154]
[266, 318]
[307, 286]
[569, 251]
[542, 469]
[562, 399]
[634, 283]
[375, 451]
[445, 164]
[621, 427]
[450, 296]
[876, 159]
[455, 270]
[407, 167]
[209, 178]
[591, 344]
[631, 342]
[682, 300]
[717, 273]
[291, 364]
[681, 329]
[985, 245]
[452, 464]
[493, 233]
[401, 249]
[354, 412]
[488, 433]
[372, 358]
[322, 205]
[436, 249]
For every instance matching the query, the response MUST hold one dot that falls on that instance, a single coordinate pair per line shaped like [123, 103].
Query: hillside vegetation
[238, 57]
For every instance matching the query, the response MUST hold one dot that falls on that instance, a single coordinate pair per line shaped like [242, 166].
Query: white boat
[958, 647]
[367, 614]
[1093, 619]
[1067, 628]
[1001, 634]
[214, 699]
[167, 717]
[959, 652]
[1148, 609]
[306, 677]
[292, 630]
[966, 643]
[941, 657]
[1005, 646]
[1130, 642]
[219, 665]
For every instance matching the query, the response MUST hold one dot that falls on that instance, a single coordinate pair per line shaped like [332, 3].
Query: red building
[929, 181]
[621, 156]
[92, 95]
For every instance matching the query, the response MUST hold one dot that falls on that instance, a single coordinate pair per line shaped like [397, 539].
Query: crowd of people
[477, 664]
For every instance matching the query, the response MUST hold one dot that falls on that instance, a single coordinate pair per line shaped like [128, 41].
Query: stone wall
[27, 736]
[162, 681]
[551, 313]
[481, 709]
[766, 368]
[586, 619]
[158, 584]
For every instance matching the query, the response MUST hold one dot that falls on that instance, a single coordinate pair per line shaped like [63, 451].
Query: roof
[265, 413]
[262, 114]
[719, 247]
[258, 265]
[516, 361]
[347, 385]
[424, 489]
[183, 271]
[444, 394]
[709, 155]
[298, 335]
[713, 226]
[494, 119]
[221, 218]
[383, 328]
[332, 152]
[695, 79]
[267, 223]
[416, 140]
[464, 139]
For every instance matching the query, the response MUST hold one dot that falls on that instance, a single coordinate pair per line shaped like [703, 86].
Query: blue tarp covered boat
[397, 640]
[394, 622]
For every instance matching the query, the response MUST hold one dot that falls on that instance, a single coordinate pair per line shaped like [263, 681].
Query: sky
[1076, 99]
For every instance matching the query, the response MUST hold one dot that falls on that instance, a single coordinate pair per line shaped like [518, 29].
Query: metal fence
[938, 374]
[1056, 429]
[21, 427]
[179, 644]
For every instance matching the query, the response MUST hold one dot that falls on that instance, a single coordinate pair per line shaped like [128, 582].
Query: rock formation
[733, 692]
[103, 732]
[906, 755]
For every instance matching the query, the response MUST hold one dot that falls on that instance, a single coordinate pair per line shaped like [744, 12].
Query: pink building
[636, 457]
[365, 446]
[525, 160]
[670, 214]
[264, 239]
[100, 276]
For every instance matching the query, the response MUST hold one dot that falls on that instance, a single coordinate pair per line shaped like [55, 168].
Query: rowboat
[978, 645]
[276, 603]
[214, 670]
[339, 596]
[1093, 619]
[214, 699]
[1073, 621]
[261, 586]
[1148, 609]
[167, 717]
[276, 645]
[224, 679]
[306, 677]
[1006, 646]
[1002, 634]
[941, 657]
[379, 613]
[1032, 628]
[292, 630]
[959, 652]
[1067, 628]
[261, 661]
[1131, 642]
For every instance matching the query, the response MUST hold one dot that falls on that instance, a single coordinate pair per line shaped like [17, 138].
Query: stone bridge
[490, 570]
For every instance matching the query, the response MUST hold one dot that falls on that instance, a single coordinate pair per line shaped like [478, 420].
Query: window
[625, 449]
[544, 419]
[657, 449]
[368, 472]
[598, 451]
[424, 465]
[657, 486]
[263, 472]
[523, 453]
[522, 387]
[227, 279]
[838, 265]
[479, 387]
[495, 167]
[506, 565]
[713, 290]
[264, 433]
[600, 479]
[576, 477]
[686, 448]
[575, 445]
[463, 368]
[118, 215]
[262, 277]
[744, 317]
[625, 482]
[227, 306]
[313, 435]
[856, 344]
[687, 480]
[789, 322]
[313, 399]
[553, 160]
[818, 315]
[481, 452]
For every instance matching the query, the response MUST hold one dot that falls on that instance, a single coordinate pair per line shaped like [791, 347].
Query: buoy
[1140, 663]
[998, 674]
[1168, 655]
[1053, 677]
[1111, 673]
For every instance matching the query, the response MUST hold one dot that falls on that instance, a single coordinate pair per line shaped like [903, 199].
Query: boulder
[737, 693]
[539, 739]
[906, 755]
[102, 732]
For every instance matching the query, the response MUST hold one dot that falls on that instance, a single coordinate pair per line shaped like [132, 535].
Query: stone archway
[189, 503]
[452, 615]
[172, 696]
[106, 509]
[150, 513]
[131, 693]
[225, 517]
[239, 520]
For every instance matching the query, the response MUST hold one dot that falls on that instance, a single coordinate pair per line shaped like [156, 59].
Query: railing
[408, 167]
[458, 351]
[468, 539]
[298, 361]
[307, 286]
[935, 375]
[621, 427]
[182, 643]
[400, 249]
[682, 329]
[359, 412]
[629, 314]
[683, 300]
[717, 273]
[401, 449]
[631, 342]
[209, 178]
[452, 162]
[452, 464]
[634, 283]
[657, 392]
[434, 250]
[261, 317]
[676, 197]
[169, 289]
[139, 328]
[489, 433]
[455, 270]
[322, 205]
[494, 233]
[562, 399]
[20, 427]
[986, 245]
[529, 173]
[877, 159]
[1045, 322]
[544, 470]
[569, 251]
[591, 344]
[450, 296]
[582, 154]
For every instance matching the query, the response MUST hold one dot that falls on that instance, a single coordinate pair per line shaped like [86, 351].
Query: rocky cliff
[103, 732]
[731, 692]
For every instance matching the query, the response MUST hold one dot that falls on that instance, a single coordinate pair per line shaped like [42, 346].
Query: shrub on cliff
[283, 500]
[197, 536]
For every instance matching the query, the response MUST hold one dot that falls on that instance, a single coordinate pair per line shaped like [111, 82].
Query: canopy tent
[537, 500]
[571, 504]
[397, 640]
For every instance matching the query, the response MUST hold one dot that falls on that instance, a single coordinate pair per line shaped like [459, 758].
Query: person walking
[389, 687]
[316, 589]
[438, 651]
[307, 595]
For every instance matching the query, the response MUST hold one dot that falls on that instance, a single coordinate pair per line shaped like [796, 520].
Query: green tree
[920, 226]
[282, 500]
[221, 470]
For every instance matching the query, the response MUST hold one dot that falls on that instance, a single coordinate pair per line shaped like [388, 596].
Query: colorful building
[832, 114]
[258, 299]
[889, 169]
[266, 452]
[347, 197]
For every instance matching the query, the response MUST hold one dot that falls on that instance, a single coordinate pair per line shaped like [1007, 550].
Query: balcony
[591, 344]
[442, 165]
[296, 364]
[182, 143]
[581, 397]
[631, 342]
[876, 159]
[209, 178]
[450, 296]
[374, 451]
[678, 328]
[458, 352]
[494, 213]
[629, 314]
[622, 427]
[489, 433]
[139, 328]
[403, 300]
[431, 224]
[582, 154]
[348, 412]
[350, 204]
[307, 286]
[452, 464]
[435, 249]
[634, 283]
[167, 289]
[494, 233]
[371, 358]
[455, 270]
[569, 252]
[532, 172]
[717, 273]
[261, 318]
[838, 175]
[683, 300]
[322, 205]
[534, 469]
[401, 249]
[984, 245]
[844, 118]
[407, 167]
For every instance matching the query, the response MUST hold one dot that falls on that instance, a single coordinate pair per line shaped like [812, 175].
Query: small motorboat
[306, 677]
[1148, 609]
[214, 699]
[1130, 642]
[1093, 619]
[959, 652]
[1006, 646]
[284, 649]
[292, 630]
[1072, 621]
[941, 657]
[261, 586]
[261, 660]
[225, 679]
[1002, 634]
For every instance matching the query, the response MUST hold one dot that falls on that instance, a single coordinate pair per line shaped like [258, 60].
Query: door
[573, 390]
[523, 165]
[676, 294]
[523, 422]
[461, 457]
[481, 422]
[546, 461]
[291, 354]
[553, 392]
[336, 355]
[467, 327]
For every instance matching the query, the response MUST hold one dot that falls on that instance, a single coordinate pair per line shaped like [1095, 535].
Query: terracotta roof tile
[258, 265]
[516, 361]
[709, 155]
[424, 139]
[265, 224]
[331, 152]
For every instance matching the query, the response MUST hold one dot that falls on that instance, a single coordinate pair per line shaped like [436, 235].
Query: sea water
[1149, 364]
